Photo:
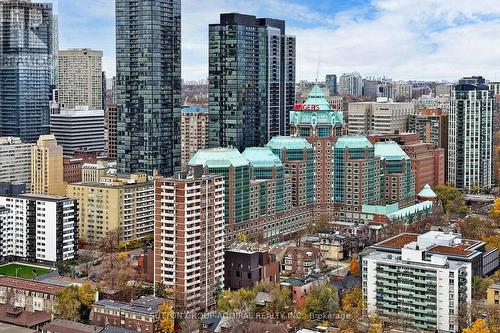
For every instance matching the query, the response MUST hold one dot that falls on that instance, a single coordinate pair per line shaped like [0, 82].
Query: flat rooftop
[464, 248]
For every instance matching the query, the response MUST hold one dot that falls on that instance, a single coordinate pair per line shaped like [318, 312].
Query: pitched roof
[427, 192]
[262, 157]
[30, 285]
[289, 143]
[353, 141]
[390, 150]
[219, 157]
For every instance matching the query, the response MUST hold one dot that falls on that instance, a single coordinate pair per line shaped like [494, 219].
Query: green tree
[451, 198]
[479, 287]
[322, 303]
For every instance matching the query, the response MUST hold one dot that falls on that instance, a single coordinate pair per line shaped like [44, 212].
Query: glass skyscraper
[470, 135]
[148, 85]
[27, 42]
[251, 80]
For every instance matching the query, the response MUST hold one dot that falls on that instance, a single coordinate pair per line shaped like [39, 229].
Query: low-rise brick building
[140, 314]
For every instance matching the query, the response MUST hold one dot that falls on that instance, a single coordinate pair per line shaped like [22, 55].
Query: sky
[400, 39]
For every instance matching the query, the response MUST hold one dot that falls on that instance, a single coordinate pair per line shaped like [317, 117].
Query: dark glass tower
[148, 85]
[251, 80]
[26, 68]
[331, 84]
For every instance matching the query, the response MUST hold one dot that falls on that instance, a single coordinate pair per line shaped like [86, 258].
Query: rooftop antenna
[318, 65]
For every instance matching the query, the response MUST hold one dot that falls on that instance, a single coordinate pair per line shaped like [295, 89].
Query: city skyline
[410, 40]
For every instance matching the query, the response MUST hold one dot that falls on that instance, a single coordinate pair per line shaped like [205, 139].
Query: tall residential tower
[251, 80]
[470, 135]
[148, 87]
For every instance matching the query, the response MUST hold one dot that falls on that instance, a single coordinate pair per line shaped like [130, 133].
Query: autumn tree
[282, 301]
[322, 303]
[110, 243]
[116, 274]
[232, 301]
[476, 227]
[74, 303]
[351, 305]
[375, 324]
[478, 327]
[492, 242]
[166, 318]
[354, 267]
[495, 210]
[240, 305]
[493, 318]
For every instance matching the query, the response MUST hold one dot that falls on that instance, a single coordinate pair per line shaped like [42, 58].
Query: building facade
[194, 133]
[111, 126]
[350, 84]
[427, 160]
[383, 117]
[356, 177]
[148, 86]
[39, 228]
[47, 168]
[189, 238]
[31, 296]
[320, 128]
[470, 136]
[251, 80]
[15, 160]
[423, 279]
[246, 264]
[398, 183]
[78, 129]
[27, 68]
[267, 198]
[80, 79]
[115, 203]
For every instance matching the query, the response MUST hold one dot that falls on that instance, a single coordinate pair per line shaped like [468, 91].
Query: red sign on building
[306, 107]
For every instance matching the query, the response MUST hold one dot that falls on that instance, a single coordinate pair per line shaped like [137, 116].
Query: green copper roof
[317, 97]
[353, 141]
[390, 150]
[427, 192]
[409, 211]
[219, 158]
[262, 157]
[288, 142]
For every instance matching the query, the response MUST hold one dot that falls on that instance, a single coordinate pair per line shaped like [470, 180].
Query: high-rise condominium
[80, 79]
[148, 87]
[26, 68]
[350, 84]
[251, 80]
[470, 135]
